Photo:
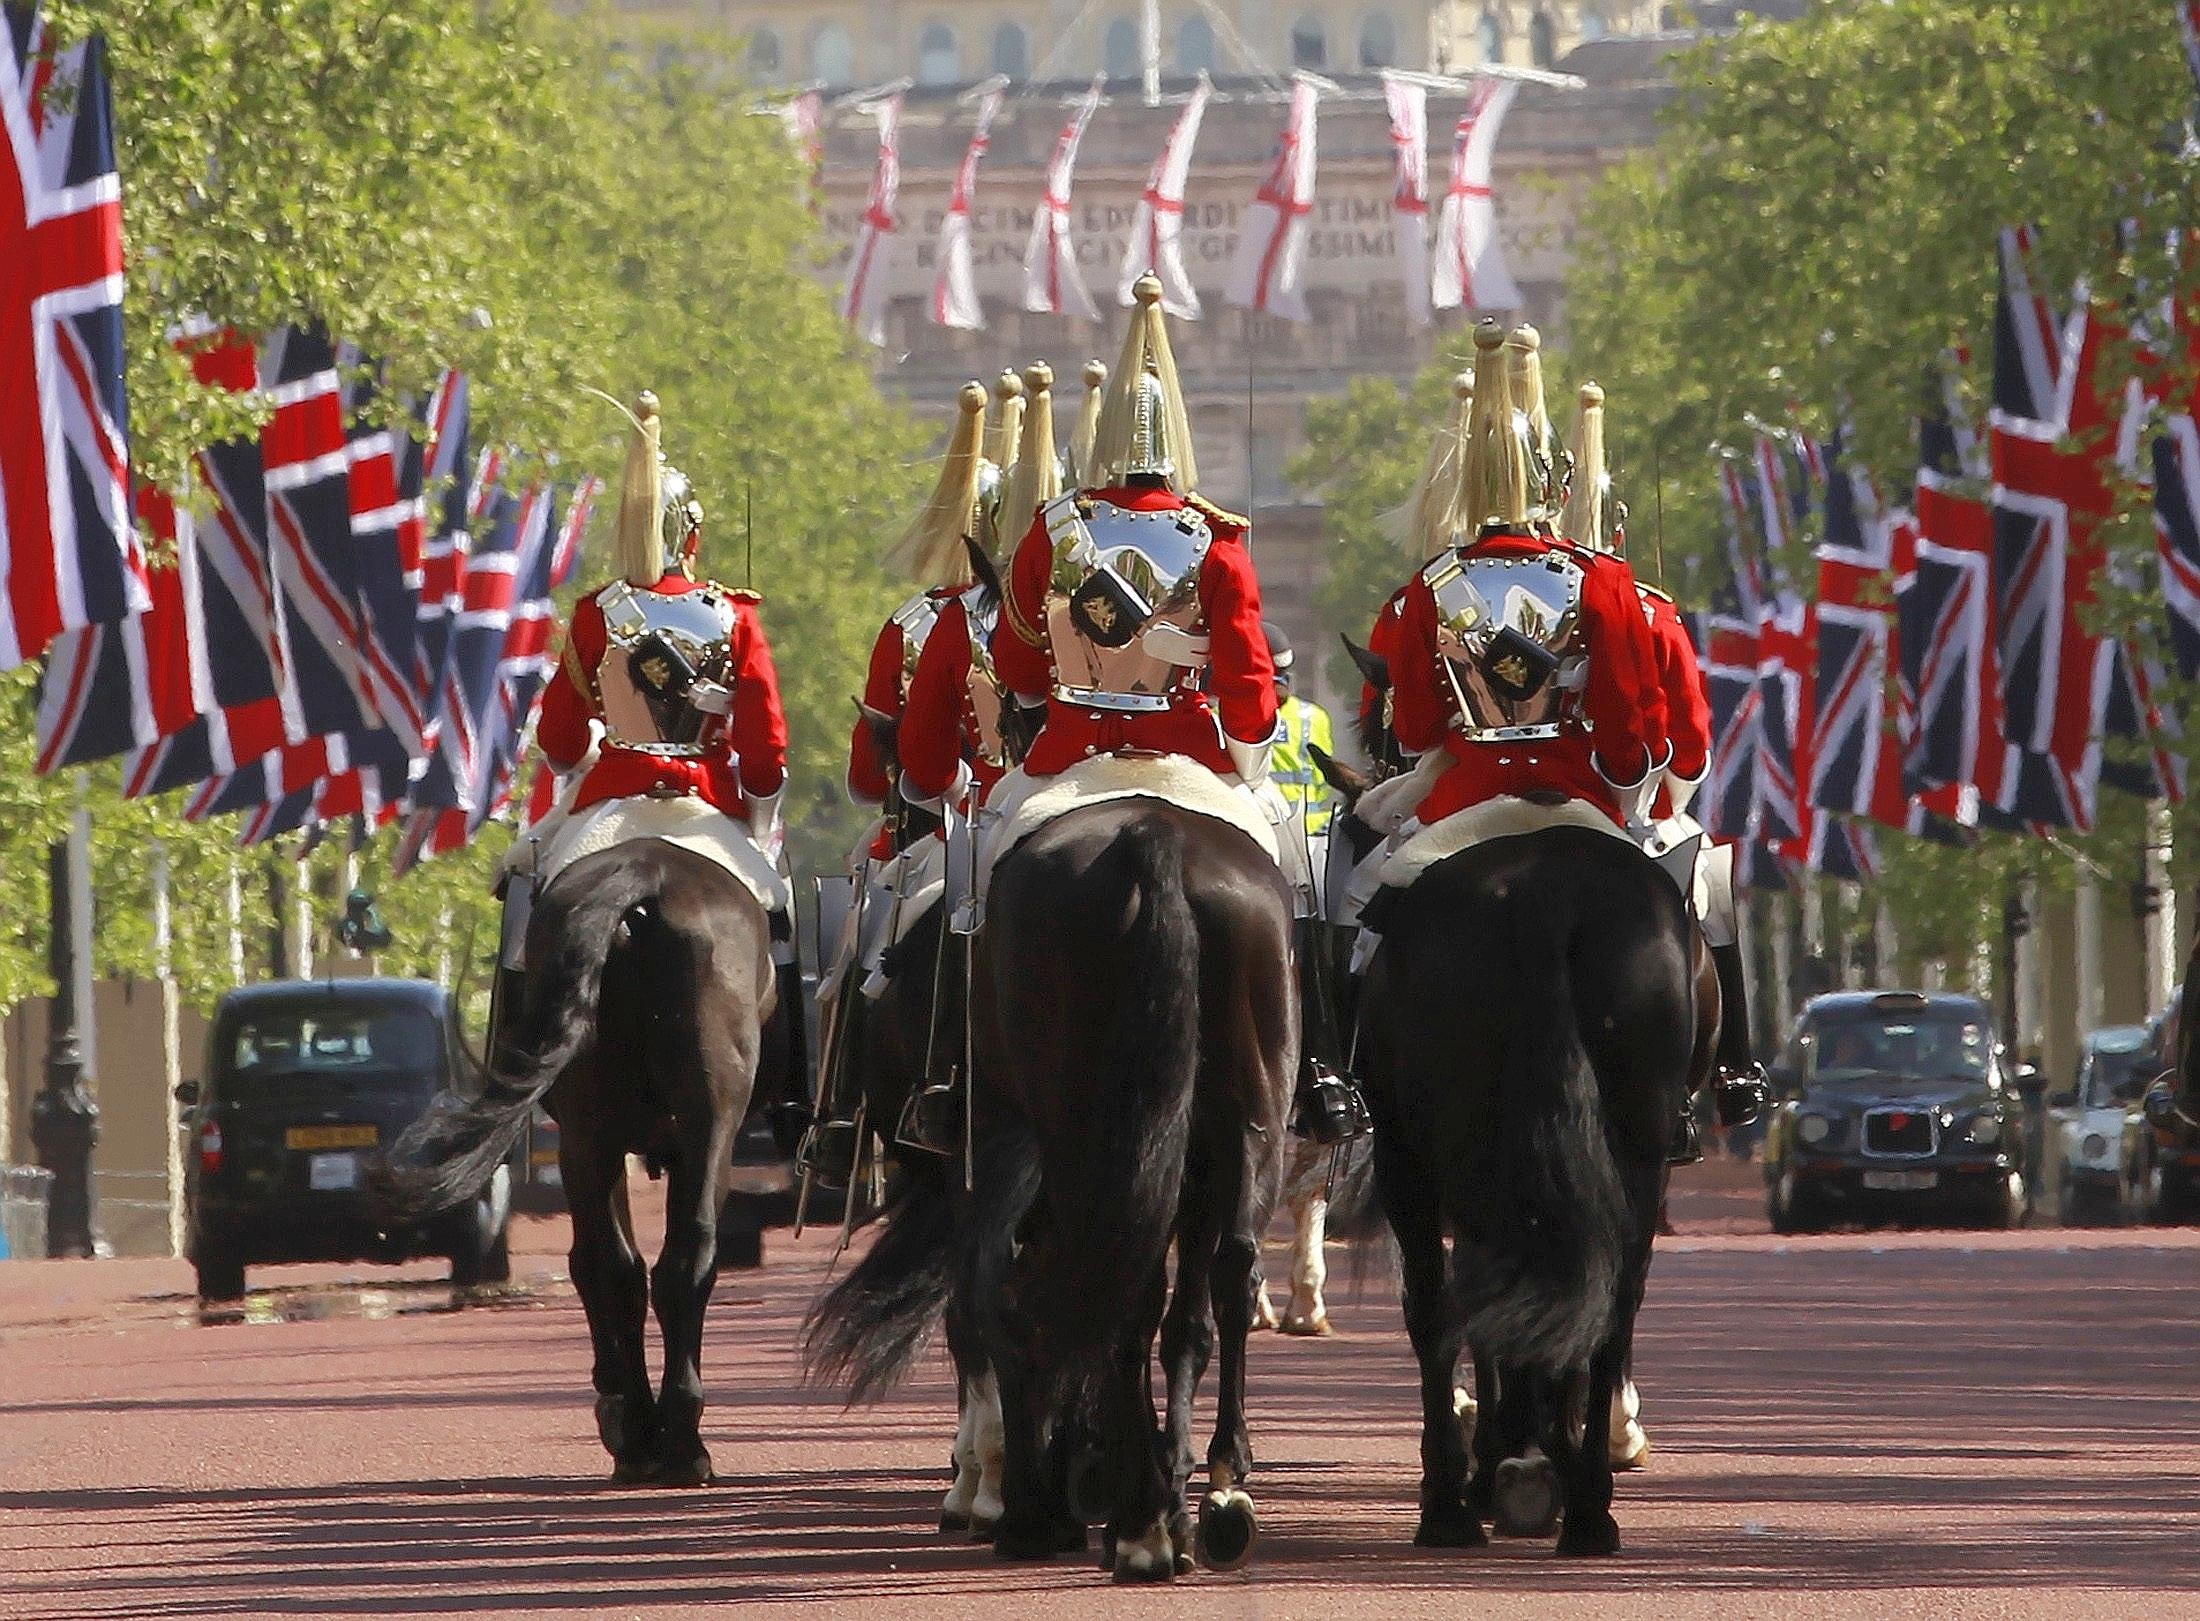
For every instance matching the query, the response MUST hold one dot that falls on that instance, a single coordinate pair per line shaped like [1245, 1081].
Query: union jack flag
[68, 550]
[447, 481]
[382, 480]
[2064, 687]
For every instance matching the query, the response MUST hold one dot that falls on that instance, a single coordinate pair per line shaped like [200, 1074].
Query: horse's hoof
[956, 1522]
[1227, 1529]
[1315, 1326]
[1151, 1558]
[981, 1529]
[632, 1472]
[1264, 1311]
[1087, 1487]
[1020, 1539]
[627, 1430]
[1631, 1453]
[1597, 1538]
[1526, 1502]
[1449, 1527]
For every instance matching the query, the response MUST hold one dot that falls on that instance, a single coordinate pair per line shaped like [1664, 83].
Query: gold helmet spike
[1422, 525]
[1589, 506]
[1008, 422]
[931, 549]
[1493, 484]
[1143, 428]
[1088, 421]
[1037, 477]
[641, 540]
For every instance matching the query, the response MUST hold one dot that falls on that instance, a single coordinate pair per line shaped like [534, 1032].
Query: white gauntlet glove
[766, 829]
[1251, 760]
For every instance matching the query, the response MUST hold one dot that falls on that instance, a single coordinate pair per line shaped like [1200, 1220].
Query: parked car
[2096, 1131]
[305, 1080]
[1893, 1105]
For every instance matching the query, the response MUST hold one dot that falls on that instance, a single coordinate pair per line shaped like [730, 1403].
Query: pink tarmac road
[1867, 1424]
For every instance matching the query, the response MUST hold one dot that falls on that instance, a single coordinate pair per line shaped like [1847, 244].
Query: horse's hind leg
[1187, 1344]
[614, 1291]
[680, 1286]
[1138, 1517]
[1226, 1524]
[1590, 1527]
[1409, 1199]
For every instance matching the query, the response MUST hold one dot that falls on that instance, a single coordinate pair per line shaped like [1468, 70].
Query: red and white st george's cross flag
[1156, 242]
[68, 552]
[1409, 194]
[1052, 281]
[863, 300]
[1271, 250]
[1470, 262]
[955, 287]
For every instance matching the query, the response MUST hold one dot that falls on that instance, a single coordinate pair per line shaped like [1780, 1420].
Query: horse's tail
[1112, 1185]
[452, 1150]
[1546, 1229]
[869, 1327]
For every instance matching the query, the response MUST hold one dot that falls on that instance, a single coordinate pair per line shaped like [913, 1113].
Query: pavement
[1941, 1424]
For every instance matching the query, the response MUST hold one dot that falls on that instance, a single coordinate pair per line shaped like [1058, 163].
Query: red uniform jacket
[1622, 701]
[1382, 641]
[1687, 701]
[883, 690]
[1238, 695]
[939, 728]
[749, 749]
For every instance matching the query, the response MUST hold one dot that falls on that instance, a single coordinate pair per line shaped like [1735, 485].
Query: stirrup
[1687, 1146]
[931, 1120]
[1741, 1095]
[1330, 1109]
[828, 1153]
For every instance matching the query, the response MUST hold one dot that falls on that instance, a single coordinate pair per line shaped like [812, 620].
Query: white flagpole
[1156, 240]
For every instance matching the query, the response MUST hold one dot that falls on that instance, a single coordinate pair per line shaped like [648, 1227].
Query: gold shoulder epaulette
[1206, 508]
[744, 594]
[1650, 590]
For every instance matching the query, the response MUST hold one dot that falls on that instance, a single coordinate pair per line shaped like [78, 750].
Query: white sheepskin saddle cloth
[685, 821]
[1420, 848]
[1019, 806]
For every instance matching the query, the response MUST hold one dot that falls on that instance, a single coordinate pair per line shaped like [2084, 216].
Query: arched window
[832, 58]
[1543, 39]
[1011, 51]
[1309, 43]
[938, 62]
[764, 54]
[1492, 38]
[1119, 50]
[1195, 46]
[1378, 41]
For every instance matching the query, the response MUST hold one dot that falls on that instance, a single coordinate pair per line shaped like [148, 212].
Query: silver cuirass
[1508, 630]
[1123, 614]
[663, 680]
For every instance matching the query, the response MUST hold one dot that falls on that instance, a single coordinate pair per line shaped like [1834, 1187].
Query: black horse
[1138, 1040]
[644, 1024]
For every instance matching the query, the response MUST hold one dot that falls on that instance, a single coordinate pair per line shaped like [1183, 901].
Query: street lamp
[64, 1119]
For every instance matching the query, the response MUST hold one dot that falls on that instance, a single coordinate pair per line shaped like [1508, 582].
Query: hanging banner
[863, 300]
[1156, 240]
[1409, 196]
[1470, 263]
[1052, 281]
[955, 288]
[1271, 256]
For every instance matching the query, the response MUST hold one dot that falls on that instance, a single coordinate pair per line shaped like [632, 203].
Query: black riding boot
[1739, 1088]
[1327, 1106]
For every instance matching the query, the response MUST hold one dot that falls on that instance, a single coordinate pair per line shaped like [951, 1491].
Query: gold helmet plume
[931, 549]
[1088, 422]
[1008, 424]
[1591, 513]
[641, 538]
[1546, 475]
[1423, 525]
[1493, 484]
[1037, 476]
[1143, 428]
